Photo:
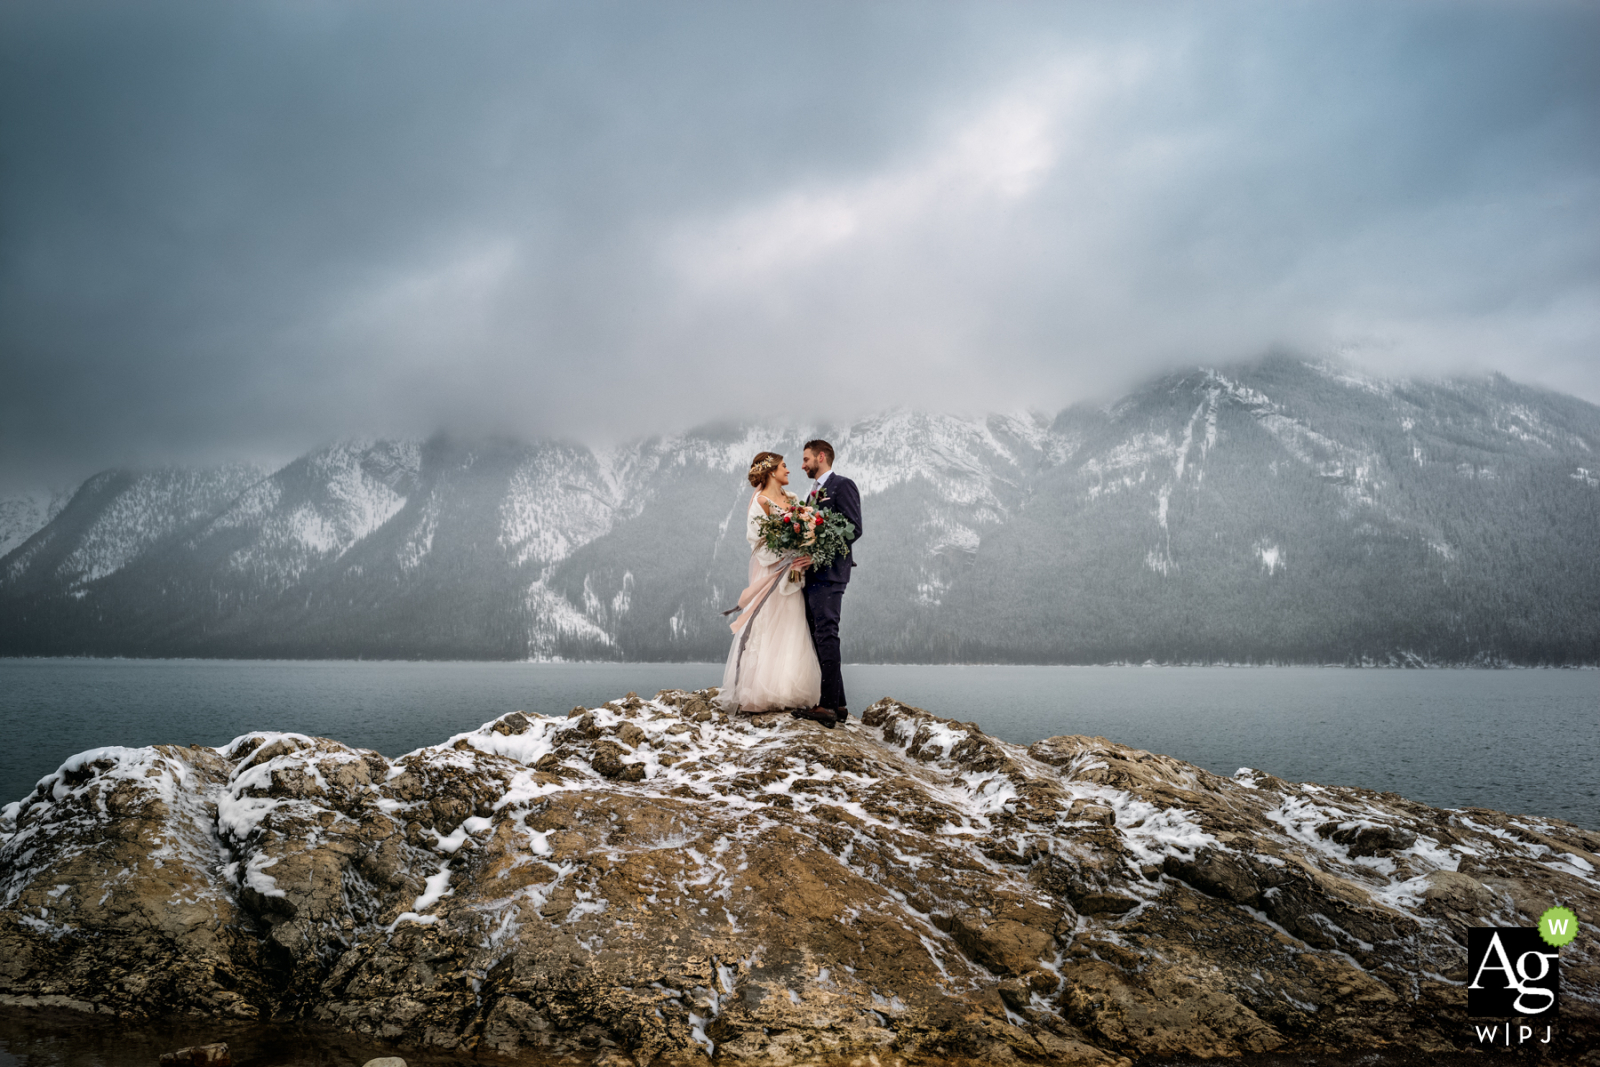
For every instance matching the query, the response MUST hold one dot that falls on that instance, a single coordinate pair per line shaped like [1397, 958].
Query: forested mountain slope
[1281, 511]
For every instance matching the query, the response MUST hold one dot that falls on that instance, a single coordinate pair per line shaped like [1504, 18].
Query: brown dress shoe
[820, 715]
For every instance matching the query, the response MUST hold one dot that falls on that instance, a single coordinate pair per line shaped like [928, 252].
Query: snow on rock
[140, 894]
[655, 876]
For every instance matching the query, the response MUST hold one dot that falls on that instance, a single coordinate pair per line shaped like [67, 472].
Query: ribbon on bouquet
[752, 600]
[756, 593]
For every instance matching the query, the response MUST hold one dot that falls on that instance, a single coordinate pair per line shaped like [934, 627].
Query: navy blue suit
[825, 588]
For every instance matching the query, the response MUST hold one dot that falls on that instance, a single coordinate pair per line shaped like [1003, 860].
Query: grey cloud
[237, 230]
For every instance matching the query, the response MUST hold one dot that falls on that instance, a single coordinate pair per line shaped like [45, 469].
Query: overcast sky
[236, 230]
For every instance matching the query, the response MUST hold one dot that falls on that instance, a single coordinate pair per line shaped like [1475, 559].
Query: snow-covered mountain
[117, 517]
[1285, 510]
[25, 514]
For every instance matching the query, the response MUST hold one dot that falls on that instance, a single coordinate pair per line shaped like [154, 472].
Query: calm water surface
[1519, 741]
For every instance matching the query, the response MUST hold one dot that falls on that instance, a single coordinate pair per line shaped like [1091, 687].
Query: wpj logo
[1516, 971]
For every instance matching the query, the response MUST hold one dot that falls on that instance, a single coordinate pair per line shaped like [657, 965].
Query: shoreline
[1391, 730]
[1147, 664]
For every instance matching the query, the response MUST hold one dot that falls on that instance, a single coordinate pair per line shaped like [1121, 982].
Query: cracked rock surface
[650, 882]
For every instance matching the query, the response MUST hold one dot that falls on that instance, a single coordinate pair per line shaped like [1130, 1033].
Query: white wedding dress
[777, 667]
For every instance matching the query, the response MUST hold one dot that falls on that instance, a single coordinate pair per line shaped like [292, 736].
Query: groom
[825, 587]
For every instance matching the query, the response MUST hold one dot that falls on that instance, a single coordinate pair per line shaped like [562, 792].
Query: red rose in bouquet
[802, 530]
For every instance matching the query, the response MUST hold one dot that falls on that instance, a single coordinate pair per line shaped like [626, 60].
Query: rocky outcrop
[649, 882]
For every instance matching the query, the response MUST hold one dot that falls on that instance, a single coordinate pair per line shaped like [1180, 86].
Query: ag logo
[1510, 971]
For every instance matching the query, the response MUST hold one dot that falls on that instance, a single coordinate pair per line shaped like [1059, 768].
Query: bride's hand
[802, 563]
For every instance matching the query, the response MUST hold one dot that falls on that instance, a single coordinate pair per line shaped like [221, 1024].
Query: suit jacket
[840, 494]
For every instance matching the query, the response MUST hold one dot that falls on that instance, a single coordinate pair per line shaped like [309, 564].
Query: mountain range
[1280, 511]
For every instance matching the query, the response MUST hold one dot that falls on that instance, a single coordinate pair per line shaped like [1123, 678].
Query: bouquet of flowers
[801, 530]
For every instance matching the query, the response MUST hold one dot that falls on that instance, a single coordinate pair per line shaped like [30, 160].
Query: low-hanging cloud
[236, 231]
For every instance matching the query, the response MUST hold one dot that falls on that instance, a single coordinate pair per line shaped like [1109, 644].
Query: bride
[772, 664]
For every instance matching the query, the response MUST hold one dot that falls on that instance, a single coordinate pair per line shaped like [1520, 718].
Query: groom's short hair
[820, 447]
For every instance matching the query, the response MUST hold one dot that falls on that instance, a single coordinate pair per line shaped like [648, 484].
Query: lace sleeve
[752, 523]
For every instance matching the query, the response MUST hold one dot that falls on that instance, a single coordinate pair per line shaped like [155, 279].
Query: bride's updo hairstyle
[764, 464]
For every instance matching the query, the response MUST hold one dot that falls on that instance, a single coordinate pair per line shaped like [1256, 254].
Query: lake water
[1524, 741]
